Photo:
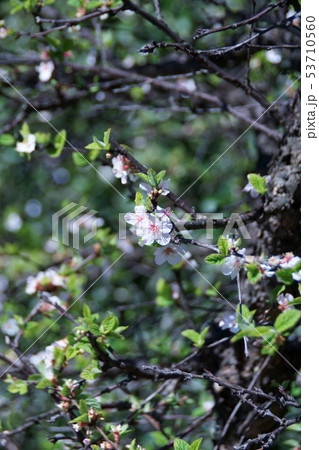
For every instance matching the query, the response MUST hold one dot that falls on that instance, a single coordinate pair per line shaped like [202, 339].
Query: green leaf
[164, 291]
[94, 146]
[115, 335]
[79, 160]
[244, 317]
[106, 138]
[71, 352]
[144, 177]
[132, 445]
[94, 4]
[58, 144]
[276, 292]
[253, 273]
[44, 383]
[110, 323]
[294, 427]
[25, 130]
[286, 320]
[86, 311]
[160, 300]
[83, 407]
[202, 337]
[223, 245]
[81, 418]
[139, 199]
[285, 275]
[152, 177]
[258, 182]
[258, 332]
[7, 140]
[179, 444]
[191, 334]
[295, 301]
[92, 371]
[160, 176]
[18, 387]
[91, 402]
[196, 444]
[59, 356]
[197, 338]
[215, 258]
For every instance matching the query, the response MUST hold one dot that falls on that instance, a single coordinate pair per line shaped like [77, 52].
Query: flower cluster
[44, 360]
[123, 169]
[267, 267]
[49, 280]
[156, 228]
[150, 227]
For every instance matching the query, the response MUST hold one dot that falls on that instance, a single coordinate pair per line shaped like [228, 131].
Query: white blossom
[3, 33]
[283, 302]
[45, 69]
[44, 359]
[289, 261]
[48, 307]
[10, 327]
[171, 253]
[229, 322]
[267, 270]
[116, 428]
[27, 145]
[233, 264]
[77, 427]
[156, 229]
[297, 276]
[122, 169]
[150, 227]
[44, 281]
[137, 218]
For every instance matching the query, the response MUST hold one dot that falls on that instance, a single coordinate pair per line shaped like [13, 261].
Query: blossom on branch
[44, 360]
[45, 69]
[233, 264]
[283, 302]
[150, 227]
[27, 145]
[44, 281]
[122, 169]
[170, 253]
[10, 327]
